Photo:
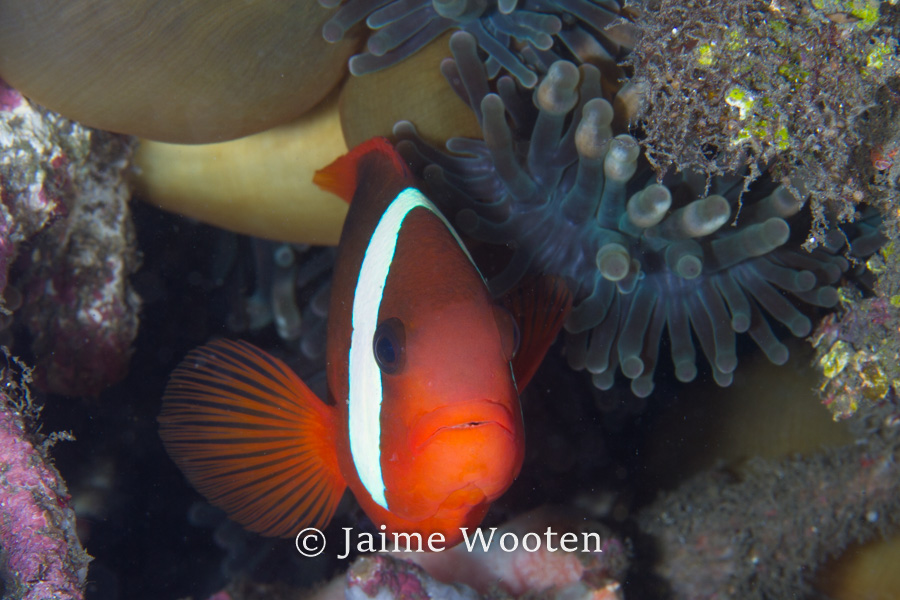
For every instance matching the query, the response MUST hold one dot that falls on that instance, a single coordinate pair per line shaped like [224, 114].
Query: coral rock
[63, 191]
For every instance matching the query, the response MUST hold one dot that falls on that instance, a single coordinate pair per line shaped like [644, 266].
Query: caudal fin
[252, 438]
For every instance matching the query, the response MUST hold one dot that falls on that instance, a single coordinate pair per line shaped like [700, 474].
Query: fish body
[423, 424]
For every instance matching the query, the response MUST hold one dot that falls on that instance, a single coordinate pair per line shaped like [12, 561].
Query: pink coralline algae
[536, 568]
[42, 558]
[381, 576]
[590, 563]
[63, 191]
[384, 577]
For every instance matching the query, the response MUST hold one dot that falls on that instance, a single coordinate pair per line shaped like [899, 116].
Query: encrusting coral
[792, 83]
[192, 73]
[857, 348]
[688, 254]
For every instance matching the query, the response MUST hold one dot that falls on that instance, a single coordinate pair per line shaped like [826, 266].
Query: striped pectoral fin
[252, 438]
[540, 306]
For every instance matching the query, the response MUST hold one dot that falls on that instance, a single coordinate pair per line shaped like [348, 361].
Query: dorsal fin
[340, 177]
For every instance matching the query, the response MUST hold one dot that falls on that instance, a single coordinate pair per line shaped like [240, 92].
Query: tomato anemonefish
[424, 426]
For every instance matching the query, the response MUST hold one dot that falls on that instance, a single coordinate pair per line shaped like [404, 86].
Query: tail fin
[252, 438]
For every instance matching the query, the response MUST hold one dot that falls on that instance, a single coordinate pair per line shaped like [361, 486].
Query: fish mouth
[460, 417]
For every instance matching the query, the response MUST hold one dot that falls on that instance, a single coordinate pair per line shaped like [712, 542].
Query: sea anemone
[518, 35]
[686, 254]
[259, 185]
[186, 72]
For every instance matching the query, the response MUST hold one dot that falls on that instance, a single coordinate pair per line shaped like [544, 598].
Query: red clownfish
[424, 423]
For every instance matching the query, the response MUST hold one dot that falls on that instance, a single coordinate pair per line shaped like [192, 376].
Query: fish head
[452, 431]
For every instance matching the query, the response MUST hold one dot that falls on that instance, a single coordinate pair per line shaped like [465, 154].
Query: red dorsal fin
[340, 177]
[540, 306]
[252, 438]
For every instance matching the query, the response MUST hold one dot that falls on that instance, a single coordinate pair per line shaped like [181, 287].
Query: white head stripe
[365, 376]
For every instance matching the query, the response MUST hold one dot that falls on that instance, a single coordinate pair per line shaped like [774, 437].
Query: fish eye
[389, 345]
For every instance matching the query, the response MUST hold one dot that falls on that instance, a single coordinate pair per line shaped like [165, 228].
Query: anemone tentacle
[521, 37]
[691, 259]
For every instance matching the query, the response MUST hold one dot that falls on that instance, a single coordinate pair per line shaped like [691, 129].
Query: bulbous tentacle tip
[380, 43]
[740, 322]
[358, 65]
[632, 367]
[705, 216]
[604, 381]
[686, 371]
[627, 284]
[463, 43]
[689, 267]
[621, 160]
[613, 261]
[786, 203]
[593, 133]
[800, 326]
[332, 32]
[699, 218]
[431, 173]
[642, 386]
[727, 361]
[722, 379]
[752, 241]
[825, 296]
[630, 101]
[404, 130]
[506, 7]
[649, 206]
[557, 92]
[804, 281]
[778, 355]
[774, 233]
[329, 3]
[459, 10]
[685, 258]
